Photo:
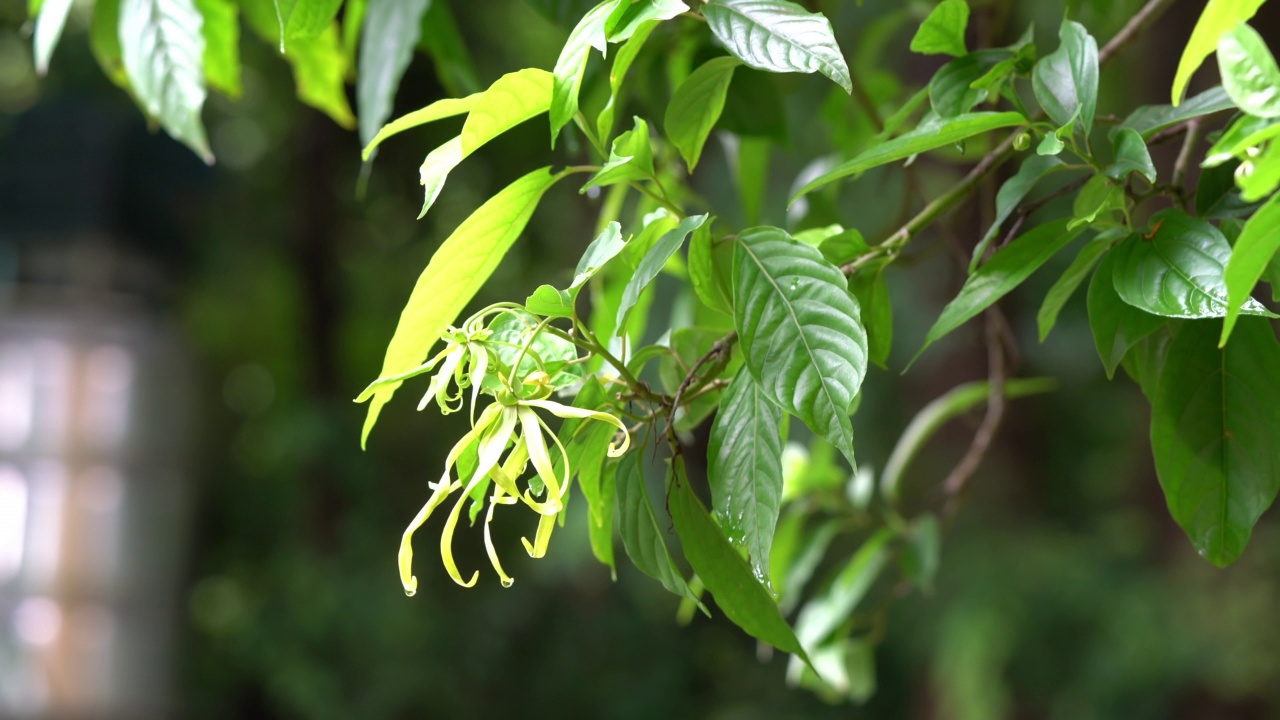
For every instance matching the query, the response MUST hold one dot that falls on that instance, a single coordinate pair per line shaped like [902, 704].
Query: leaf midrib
[821, 61]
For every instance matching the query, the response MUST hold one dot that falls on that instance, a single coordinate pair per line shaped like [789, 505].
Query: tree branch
[956, 483]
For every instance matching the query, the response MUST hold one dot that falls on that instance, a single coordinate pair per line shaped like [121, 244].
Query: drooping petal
[498, 498]
[539, 547]
[531, 432]
[441, 379]
[479, 366]
[567, 412]
[491, 446]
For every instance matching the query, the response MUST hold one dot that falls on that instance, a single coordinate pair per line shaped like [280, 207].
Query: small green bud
[1022, 142]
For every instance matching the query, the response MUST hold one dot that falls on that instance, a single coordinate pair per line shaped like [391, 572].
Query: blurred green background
[255, 299]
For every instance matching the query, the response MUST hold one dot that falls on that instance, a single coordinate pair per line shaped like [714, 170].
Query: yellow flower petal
[567, 412]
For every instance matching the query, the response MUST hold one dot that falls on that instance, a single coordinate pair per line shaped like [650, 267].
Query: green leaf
[1179, 270]
[942, 32]
[1250, 258]
[696, 105]
[824, 614]
[929, 136]
[1150, 119]
[509, 101]
[739, 593]
[872, 292]
[1260, 176]
[600, 533]
[550, 302]
[104, 41]
[1071, 279]
[1054, 142]
[1213, 421]
[653, 262]
[438, 110]
[954, 403]
[778, 36]
[951, 90]
[221, 31]
[622, 62]
[800, 331]
[1131, 155]
[456, 271]
[514, 330]
[1219, 17]
[796, 556]
[752, 175]
[572, 63]
[1096, 202]
[744, 469]
[1001, 274]
[711, 270]
[51, 19]
[443, 41]
[1249, 72]
[1217, 197]
[1117, 326]
[320, 71]
[920, 556]
[630, 158]
[626, 19]
[390, 32]
[162, 49]
[309, 18]
[1066, 81]
[641, 534]
[1011, 193]
[1246, 132]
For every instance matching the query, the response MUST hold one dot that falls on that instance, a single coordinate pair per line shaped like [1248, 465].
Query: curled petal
[496, 499]
[564, 411]
[531, 433]
[440, 380]
[539, 546]
[397, 379]
[491, 446]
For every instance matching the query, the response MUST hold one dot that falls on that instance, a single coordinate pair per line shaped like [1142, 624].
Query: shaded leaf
[821, 616]
[1150, 119]
[711, 270]
[951, 90]
[388, 36]
[653, 262]
[641, 534]
[1011, 193]
[696, 105]
[1066, 81]
[622, 61]
[1071, 279]
[1117, 326]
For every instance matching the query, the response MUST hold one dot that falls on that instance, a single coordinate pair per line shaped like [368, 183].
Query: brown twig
[1026, 210]
[1138, 23]
[957, 482]
[719, 347]
[1184, 160]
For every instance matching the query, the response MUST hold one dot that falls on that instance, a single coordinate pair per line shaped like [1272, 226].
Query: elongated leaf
[320, 71]
[1011, 193]
[1097, 203]
[1071, 279]
[954, 403]
[653, 262]
[572, 63]
[456, 271]
[104, 41]
[929, 136]
[438, 110]
[1249, 72]
[49, 24]
[820, 617]
[744, 458]
[1179, 270]
[778, 36]
[1246, 132]
[711, 270]
[641, 534]
[221, 32]
[1131, 155]
[1003, 272]
[1150, 119]
[163, 53]
[800, 331]
[550, 302]
[601, 533]
[390, 32]
[443, 41]
[622, 62]
[630, 158]
[1250, 258]
[509, 101]
[739, 592]
[871, 290]
[1261, 174]
[1117, 326]
[696, 105]
[1213, 421]
[1066, 81]
[630, 15]
[951, 90]
[942, 32]
[309, 18]
[1218, 17]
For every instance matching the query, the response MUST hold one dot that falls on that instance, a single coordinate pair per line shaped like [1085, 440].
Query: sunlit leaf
[163, 54]
[653, 262]
[696, 105]
[221, 32]
[572, 63]
[942, 32]
[1250, 258]
[1218, 17]
[778, 36]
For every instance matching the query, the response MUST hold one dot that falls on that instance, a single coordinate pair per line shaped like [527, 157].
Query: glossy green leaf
[572, 63]
[1249, 72]
[932, 417]
[456, 271]
[1011, 194]
[163, 52]
[1056, 141]
[551, 302]
[1117, 326]
[509, 101]
[822, 615]
[1070, 280]
[309, 18]
[630, 15]
[630, 158]
[929, 136]
[711, 269]
[438, 110]
[320, 71]
[739, 592]
[800, 331]
[1150, 119]
[1250, 258]
[1131, 155]
[696, 105]
[221, 31]
[600, 533]
[744, 457]
[1097, 202]
[942, 32]
[50, 20]
[1259, 176]
[1213, 421]
[1066, 81]
[778, 36]
[872, 292]
[1178, 271]
[951, 90]
[1235, 142]
[653, 262]
[1218, 17]
[641, 534]
[388, 36]
[622, 62]
[1000, 275]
